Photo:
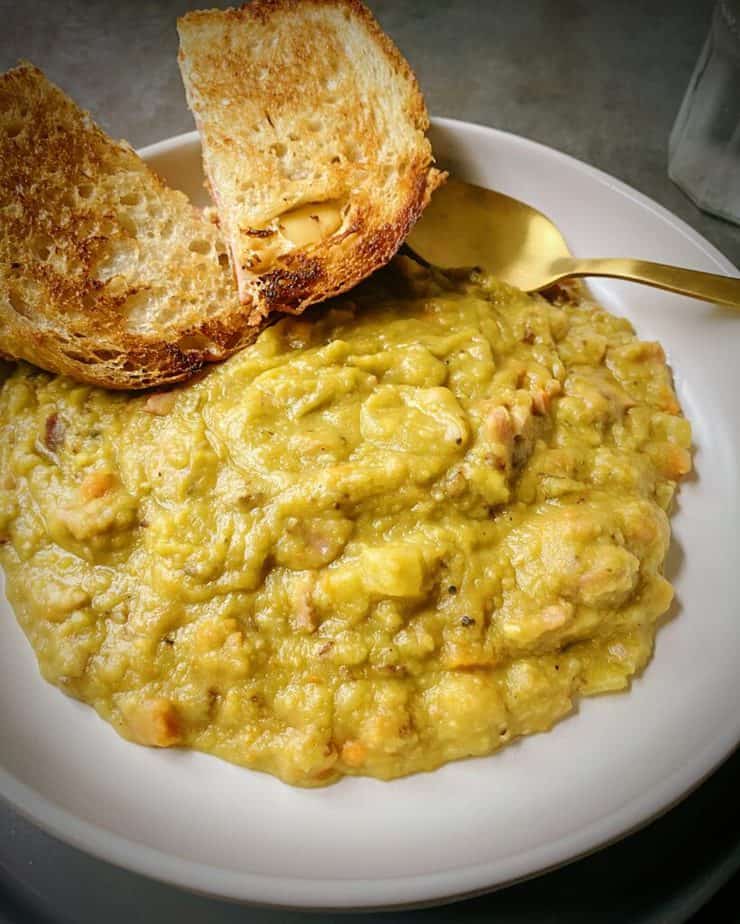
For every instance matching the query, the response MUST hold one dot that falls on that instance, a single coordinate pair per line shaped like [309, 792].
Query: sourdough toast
[106, 274]
[313, 130]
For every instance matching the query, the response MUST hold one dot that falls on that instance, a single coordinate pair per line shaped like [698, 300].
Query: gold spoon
[466, 225]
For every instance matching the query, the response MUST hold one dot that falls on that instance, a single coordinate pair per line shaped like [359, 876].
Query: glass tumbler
[704, 147]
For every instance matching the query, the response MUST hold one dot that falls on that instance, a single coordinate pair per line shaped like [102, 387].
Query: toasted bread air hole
[197, 343]
[278, 149]
[42, 247]
[79, 357]
[85, 190]
[19, 304]
[295, 173]
[200, 246]
[223, 259]
[127, 223]
[352, 153]
[116, 287]
[313, 125]
[14, 129]
[147, 310]
[116, 258]
[132, 198]
[387, 172]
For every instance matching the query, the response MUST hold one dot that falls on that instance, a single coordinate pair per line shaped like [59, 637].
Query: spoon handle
[724, 290]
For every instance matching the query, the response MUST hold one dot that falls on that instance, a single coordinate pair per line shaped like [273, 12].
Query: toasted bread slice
[106, 274]
[313, 143]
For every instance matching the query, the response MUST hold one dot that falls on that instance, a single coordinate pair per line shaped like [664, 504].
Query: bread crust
[83, 289]
[94, 286]
[276, 86]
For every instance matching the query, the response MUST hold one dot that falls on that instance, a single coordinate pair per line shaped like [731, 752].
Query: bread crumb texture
[106, 274]
[313, 130]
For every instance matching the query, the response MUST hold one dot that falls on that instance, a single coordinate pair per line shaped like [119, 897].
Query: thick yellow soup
[406, 529]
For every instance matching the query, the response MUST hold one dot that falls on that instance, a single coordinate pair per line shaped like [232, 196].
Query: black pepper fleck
[467, 621]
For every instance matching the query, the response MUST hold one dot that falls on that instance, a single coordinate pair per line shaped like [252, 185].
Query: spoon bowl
[467, 225]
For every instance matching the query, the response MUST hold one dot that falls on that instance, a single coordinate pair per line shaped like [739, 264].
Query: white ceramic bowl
[477, 824]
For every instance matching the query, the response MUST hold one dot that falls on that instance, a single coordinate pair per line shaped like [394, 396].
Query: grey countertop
[598, 79]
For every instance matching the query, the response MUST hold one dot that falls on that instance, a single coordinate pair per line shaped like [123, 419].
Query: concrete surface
[599, 79]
